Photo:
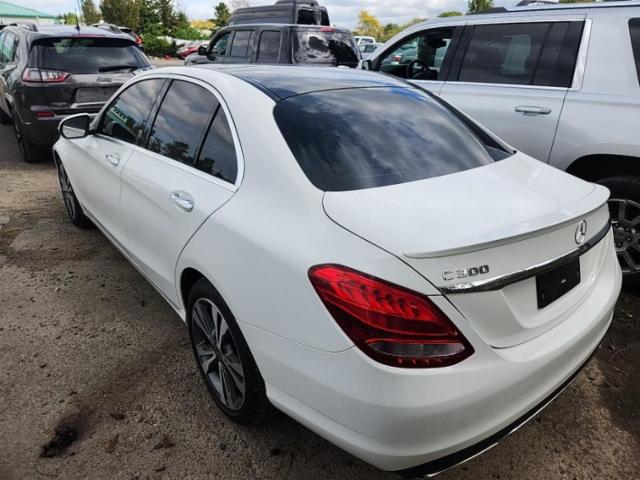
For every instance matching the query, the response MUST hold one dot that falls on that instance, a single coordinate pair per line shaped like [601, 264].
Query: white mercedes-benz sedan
[350, 249]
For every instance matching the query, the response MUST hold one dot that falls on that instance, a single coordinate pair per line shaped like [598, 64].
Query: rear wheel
[624, 207]
[29, 152]
[4, 118]
[223, 357]
[74, 210]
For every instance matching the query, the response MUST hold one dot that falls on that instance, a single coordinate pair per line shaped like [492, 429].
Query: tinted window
[87, 55]
[181, 121]
[218, 155]
[8, 48]
[503, 53]
[325, 47]
[126, 118]
[419, 57]
[634, 26]
[241, 43]
[220, 47]
[371, 137]
[269, 48]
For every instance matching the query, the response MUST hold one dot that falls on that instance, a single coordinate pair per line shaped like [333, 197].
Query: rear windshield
[87, 55]
[372, 137]
[325, 47]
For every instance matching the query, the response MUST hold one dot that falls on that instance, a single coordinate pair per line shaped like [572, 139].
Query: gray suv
[48, 73]
[559, 82]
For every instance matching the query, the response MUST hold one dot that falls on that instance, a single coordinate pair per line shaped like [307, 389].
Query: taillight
[389, 323]
[44, 76]
[396, 58]
[138, 40]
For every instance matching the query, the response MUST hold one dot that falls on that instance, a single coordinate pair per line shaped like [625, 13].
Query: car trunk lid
[480, 224]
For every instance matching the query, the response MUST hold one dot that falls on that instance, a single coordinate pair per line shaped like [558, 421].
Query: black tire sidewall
[625, 187]
[80, 219]
[255, 397]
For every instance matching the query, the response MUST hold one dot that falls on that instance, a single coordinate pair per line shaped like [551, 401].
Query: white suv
[559, 82]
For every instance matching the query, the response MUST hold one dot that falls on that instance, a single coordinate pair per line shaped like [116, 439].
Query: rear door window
[218, 155]
[503, 53]
[88, 55]
[241, 46]
[126, 117]
[181, 121]
[269, 46]
[540, 53]
[634, 27]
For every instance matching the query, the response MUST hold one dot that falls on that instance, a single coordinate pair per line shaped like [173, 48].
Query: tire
[29, 152]
[624, 208]
[71, 204]
[5, 119]
[250, 406]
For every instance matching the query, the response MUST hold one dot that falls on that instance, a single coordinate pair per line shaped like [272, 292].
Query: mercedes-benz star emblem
[581, 232]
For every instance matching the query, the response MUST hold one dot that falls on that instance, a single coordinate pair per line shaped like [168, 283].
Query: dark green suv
[48, 73]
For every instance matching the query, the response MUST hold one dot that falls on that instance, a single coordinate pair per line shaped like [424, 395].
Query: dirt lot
[86, 343]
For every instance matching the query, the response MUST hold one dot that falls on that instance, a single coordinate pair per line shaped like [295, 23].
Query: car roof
[241, 26]
[44, 31]
[528, 10]
[280, 82]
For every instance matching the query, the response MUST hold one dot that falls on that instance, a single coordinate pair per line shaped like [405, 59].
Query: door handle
[183, 201]
[112, 159]
[532, 110]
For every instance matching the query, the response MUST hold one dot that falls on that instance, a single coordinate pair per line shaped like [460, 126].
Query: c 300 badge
[465, 272]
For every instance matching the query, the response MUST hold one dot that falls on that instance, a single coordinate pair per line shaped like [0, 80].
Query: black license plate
[554, 284]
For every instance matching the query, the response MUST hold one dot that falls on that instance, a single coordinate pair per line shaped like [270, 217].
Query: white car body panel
[255, 242]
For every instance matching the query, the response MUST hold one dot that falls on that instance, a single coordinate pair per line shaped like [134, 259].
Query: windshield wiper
[115, 68]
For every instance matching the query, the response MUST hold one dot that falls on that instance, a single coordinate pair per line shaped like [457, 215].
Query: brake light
[389, 323]
[44, 114]
[44, 76]
[327, 29]
[138, 40]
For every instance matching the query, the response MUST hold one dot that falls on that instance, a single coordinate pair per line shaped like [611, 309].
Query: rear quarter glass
[371, 137]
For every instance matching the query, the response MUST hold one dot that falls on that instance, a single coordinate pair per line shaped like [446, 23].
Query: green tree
[368, 25]
[125, 13]
[221, 14]
[477, 6]
[450, 13]
[150, 21]
[69, 18]
[389, 30]
[90, 13]
[168, 17]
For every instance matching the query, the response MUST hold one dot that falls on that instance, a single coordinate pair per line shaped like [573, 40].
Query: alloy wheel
[217, 354]
[67, 191]
[625, 221]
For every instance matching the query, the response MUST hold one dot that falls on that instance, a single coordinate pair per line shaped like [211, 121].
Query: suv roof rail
[28, 25]
[538, 5]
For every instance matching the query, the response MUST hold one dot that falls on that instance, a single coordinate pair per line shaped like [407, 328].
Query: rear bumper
[435, 467]
[44, 131]
[424, 421]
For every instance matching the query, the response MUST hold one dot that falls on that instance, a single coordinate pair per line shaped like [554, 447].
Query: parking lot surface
[87, 344]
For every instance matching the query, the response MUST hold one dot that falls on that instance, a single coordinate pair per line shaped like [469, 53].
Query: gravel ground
[87, 344]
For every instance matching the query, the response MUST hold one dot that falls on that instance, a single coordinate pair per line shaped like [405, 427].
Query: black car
[280, 43]
[47, 73]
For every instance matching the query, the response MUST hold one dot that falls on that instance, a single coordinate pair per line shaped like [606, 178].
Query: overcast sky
[342, 12]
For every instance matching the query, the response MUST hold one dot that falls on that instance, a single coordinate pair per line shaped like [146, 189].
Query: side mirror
[75, 126]
[202, 50]
[367, 65]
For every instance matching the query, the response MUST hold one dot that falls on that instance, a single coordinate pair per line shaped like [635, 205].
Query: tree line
[368, 25]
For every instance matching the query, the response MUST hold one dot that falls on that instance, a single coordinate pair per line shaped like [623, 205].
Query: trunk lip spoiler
[501, 281]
